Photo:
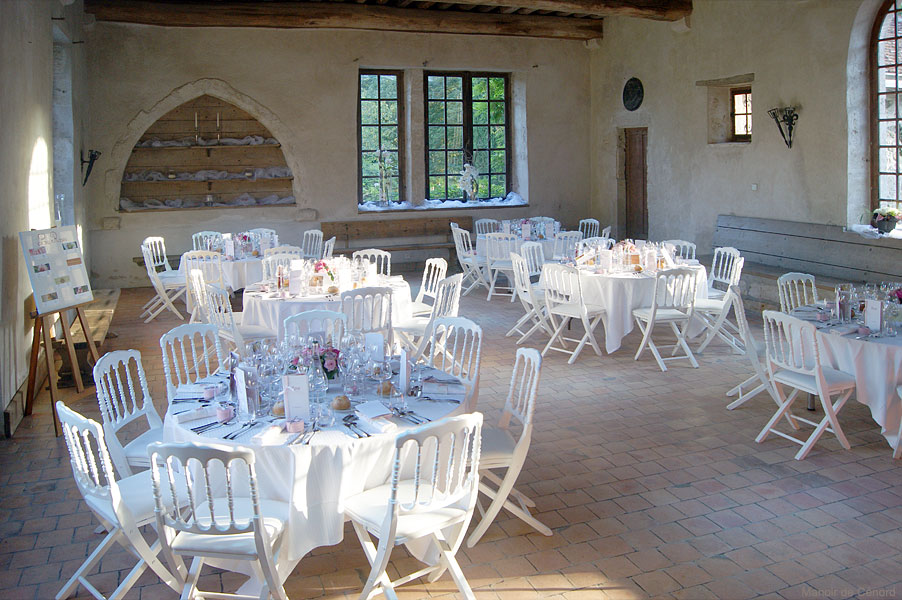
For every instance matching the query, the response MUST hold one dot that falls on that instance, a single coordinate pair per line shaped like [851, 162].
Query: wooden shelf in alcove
[174, 188]
[206, 157]
[194, 208]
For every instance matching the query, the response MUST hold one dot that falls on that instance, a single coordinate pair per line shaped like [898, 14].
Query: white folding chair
[435, 271]
[122, 505]
[326, 326]
[565, 244]
[454, 346]
[431, 496]
[714, 313]
[122, 403]
[726, 270]
[682, 249]
[755, 352]
[501, 450]
[533, 300]
[229, 520]
[207, 240]
[191, 352]
[472, 265]
[411, 332]
[673, 304]
[328, 247]
[382, 258]
[534, 255]
[606, 232]
[484, 226]
[263, 233]
[197, 291]
[368, 310]
[793, 360]
[168, 284]
[272, 263]
[795, 290]
[312, 244]
[230, 323]
[564, 300]
[498, 248]
[295, 251]
[589, 227]
[210, 264]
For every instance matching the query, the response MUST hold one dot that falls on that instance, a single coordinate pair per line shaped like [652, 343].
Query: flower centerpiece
[885, 218]
[329, 359]
[469, 181]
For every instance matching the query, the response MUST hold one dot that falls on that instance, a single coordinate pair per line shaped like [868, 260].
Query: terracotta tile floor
[651, 486]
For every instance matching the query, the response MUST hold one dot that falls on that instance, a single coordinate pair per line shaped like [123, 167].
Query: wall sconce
[785, 118]
[93, 155]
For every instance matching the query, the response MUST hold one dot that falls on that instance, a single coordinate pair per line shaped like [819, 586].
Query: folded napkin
[190, 391]
[378, 425]
[191, 415]
[269, 435]
[434, 388]
[370, 415]
[844, 329]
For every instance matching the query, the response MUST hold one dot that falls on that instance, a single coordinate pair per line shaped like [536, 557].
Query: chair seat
[369, 508]
[497, 447]
[836, 380]
[573, 309]
[709, 305]
[171, 277]
[251, 332]
[474, 259]
[412, 325]
[662, 316]
[275, 515]
[420, 308]
[716, 294]
[502, 265]
[136, 450]
[137, 495]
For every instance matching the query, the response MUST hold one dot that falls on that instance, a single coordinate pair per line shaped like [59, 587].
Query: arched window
[886, 113]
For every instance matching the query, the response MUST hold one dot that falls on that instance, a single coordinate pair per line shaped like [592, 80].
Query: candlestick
[195, 120]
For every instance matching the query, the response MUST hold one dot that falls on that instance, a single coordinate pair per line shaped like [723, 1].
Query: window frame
[738, 91]
[874, 108]
[401, 131]
[467, 101]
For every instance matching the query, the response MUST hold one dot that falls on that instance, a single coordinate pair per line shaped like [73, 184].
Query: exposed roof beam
[660, 10]
[339, 16]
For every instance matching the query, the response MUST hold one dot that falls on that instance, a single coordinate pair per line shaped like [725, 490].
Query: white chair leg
[785, 405]
[454, 569]
[191, 582]
[378, 559]
[88, 565]
[681, 340]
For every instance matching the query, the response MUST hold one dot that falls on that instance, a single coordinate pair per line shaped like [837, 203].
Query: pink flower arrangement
[322, 265]
[897, 294]
[329, 358]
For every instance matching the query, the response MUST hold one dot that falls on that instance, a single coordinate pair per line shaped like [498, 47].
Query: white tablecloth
[876, 364]
[267, 309]
[313, 479]
[619, 294]
[238, 274]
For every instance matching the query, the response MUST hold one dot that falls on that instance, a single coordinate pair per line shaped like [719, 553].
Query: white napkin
[269, 436]
[435, 388]
[378, 425]
[370, 415]
[191, 415]
[844, 329]
[189, 391]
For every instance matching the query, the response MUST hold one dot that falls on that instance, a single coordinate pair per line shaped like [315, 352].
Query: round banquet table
[269, 309]
[314, 479]
[547, 246]
[876, 364]
[238, 274]
[620, 293]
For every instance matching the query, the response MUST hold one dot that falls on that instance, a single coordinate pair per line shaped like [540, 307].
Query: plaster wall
[26, 79]
[797, 51]
[302, 84]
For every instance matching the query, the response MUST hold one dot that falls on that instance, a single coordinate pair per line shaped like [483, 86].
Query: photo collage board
[56, 268]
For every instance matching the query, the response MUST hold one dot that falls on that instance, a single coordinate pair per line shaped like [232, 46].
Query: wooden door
[635, 178]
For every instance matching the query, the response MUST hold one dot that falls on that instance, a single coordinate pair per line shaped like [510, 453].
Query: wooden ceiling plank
[659, 10]
[339, 16]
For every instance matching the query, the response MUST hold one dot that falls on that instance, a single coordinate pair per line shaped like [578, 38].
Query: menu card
[404, 372]
[526, 231]
[297, 397]
[228, 248]
[873, 315]
[241, 391]
[375, 345]
[506, 226]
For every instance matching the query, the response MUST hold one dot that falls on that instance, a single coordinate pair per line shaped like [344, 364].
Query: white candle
[195, 119]
[217, 120]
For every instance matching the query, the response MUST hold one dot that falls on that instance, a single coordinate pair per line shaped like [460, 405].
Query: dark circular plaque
[633, 94]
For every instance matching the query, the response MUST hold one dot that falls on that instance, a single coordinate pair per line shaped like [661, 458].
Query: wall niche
[206, 153]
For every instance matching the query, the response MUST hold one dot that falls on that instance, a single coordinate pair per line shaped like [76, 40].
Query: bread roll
[341, 403]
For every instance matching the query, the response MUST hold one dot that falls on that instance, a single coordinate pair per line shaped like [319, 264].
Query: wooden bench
[772, 247]
[396, 235]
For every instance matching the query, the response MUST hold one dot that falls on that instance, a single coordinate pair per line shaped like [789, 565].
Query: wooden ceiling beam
[338, 16]
[659, 10]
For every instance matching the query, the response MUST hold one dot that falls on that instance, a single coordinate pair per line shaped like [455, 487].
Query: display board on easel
[59, 280]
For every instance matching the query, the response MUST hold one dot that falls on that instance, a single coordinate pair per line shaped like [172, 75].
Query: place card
[526, 231]
[295, 282]
[506, 226]
[873, 315]
[241, 391]
[375, 345]
[297, 397]
[229, 249]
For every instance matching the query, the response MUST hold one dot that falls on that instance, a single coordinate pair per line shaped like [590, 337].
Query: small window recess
[721, 121]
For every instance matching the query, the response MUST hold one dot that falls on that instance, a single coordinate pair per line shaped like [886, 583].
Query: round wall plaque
[633, 94]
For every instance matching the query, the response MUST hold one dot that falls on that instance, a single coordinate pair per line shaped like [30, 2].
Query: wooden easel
[43, 324]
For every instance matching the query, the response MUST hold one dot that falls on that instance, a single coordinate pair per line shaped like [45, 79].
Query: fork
[244, 427]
